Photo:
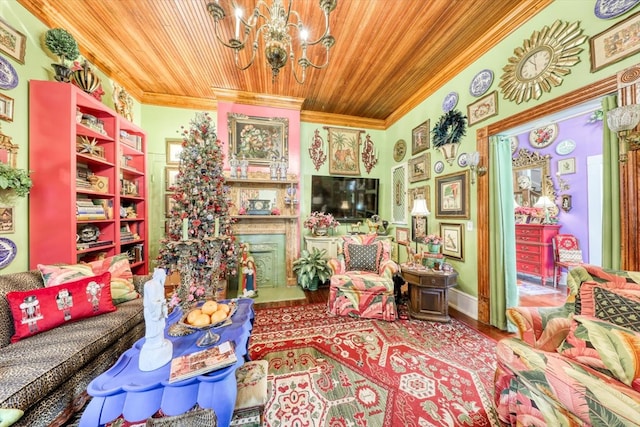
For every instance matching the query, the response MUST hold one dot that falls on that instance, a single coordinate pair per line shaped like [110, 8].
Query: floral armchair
[362, 281]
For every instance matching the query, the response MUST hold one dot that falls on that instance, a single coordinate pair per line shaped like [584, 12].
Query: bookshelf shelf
[83, 173]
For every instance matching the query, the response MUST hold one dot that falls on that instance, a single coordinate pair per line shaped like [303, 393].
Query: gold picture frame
[420, 168]
[170, 176]
[6, 220]
[423, 191]
[420, 137]
[258, 139]
[614, 44]
[173, 150]
[344, 151]
[402, 235]
[169, 203]
[483, 108]
[12, 42]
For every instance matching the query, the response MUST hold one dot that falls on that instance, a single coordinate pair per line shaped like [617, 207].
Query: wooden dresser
[534, 251]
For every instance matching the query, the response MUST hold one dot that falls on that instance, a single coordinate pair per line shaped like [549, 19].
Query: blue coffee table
[136, 395]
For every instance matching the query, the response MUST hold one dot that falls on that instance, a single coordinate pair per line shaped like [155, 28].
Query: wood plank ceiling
[389, 54]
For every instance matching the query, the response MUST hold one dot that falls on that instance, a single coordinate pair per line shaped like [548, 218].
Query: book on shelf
[203, 361]
[90, 245]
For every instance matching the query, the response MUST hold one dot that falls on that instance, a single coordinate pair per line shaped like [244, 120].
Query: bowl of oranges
[211, 314]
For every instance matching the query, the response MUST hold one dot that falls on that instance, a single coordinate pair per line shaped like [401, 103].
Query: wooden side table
[429, 293]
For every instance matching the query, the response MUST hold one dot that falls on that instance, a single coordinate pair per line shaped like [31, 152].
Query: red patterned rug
[340, 371]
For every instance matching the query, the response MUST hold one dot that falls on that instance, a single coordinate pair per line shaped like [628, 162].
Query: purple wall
[588, 139]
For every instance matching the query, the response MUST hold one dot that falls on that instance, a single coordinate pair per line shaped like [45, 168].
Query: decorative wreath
[451, 127]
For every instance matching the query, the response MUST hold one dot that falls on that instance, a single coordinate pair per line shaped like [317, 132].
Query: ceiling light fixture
[274, 23]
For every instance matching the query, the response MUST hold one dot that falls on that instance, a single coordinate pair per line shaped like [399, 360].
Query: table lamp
[419, 210]
[545, 203]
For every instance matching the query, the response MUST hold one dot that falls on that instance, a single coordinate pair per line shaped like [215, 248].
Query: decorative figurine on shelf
[282, 168]
[244, 167]
[233, 166]
[156, 351]
[273, 168]
[248, 266]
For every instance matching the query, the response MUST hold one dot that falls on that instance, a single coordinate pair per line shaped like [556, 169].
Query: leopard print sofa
[46, 375]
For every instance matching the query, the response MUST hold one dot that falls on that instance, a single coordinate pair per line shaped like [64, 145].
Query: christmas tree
[200, 244]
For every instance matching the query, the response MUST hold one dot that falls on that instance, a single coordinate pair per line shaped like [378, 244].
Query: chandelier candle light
[274, 23]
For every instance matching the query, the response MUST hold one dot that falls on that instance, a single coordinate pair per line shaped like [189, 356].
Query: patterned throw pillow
[363, 257]
[53, 275]
[39, 310]
[566, 255]
[617, 303]
[610, 349]
[122, 288]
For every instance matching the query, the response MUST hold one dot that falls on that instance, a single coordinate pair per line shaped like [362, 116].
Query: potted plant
[448, 132]
[311, 268]
[319, 223]
[15, 179]
[433, 241]
[62, 44]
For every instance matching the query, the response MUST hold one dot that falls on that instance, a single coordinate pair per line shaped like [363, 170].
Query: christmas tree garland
[451, 127]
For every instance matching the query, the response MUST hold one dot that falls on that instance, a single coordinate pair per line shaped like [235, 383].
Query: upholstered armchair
[362, 279]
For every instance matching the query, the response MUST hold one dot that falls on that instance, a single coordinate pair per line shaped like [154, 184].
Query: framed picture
[399, 194]
[402, 235]
[483, 108]
[615, 43]
[6, 108]
[522, 219]
[423, 192]
[169, 204]
[452, 195]
[535, 220]
[258, 139]
[344, 151]
[452, 240]
[420, 167]
[567, 166]
[420, 138]
[174, 148]
[170, 178]
[12, 41]
[418, 227]
[6, 220]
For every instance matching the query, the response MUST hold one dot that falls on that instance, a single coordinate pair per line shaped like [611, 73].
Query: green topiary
[61, 43]
[15, 179]
[451, 127]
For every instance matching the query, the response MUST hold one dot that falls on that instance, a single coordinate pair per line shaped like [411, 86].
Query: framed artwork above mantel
[258, 139]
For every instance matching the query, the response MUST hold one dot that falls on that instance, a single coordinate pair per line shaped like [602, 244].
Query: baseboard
[464, 303]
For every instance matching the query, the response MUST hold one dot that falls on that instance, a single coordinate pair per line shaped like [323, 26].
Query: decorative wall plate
[8, 251]
[8, 75]
[399, 150]
[482, 82]
[565, 147]
[463, 161]
[438, 166]
[513, 140]
[544, 136]
[450, 101]
[608, 9]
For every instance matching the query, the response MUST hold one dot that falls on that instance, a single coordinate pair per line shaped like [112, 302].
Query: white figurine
[156, 351]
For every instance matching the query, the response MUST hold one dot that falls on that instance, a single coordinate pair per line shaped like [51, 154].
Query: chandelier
[279, 28]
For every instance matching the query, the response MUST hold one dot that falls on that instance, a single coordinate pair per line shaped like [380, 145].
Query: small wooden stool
[252, 393]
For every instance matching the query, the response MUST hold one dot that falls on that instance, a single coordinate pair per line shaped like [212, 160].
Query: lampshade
[544, 202]
[623, 118]
[344, 205]
[420, 208]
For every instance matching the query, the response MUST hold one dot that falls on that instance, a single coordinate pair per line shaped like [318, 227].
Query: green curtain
[610, 192]
[503, 277]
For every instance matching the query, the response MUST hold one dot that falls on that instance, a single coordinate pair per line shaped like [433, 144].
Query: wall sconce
[474, 166]
[623, 120]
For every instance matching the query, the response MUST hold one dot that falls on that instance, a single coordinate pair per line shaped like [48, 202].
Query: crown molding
[260, 99]
[342, 120]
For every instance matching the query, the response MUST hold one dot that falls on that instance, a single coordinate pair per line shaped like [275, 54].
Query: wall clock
[399, 150]
[542, 61]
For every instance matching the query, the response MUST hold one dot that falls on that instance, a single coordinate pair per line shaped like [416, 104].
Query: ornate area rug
[340, 371]
[526, 288]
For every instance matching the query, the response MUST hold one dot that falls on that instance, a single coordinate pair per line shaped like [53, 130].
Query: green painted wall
[162, 122]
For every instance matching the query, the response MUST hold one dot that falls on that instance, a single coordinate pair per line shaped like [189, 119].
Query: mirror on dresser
[532, 179]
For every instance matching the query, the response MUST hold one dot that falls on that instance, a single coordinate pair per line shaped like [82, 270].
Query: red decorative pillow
[42, 309]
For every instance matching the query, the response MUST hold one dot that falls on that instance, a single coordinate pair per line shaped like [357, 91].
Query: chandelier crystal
[279, 28]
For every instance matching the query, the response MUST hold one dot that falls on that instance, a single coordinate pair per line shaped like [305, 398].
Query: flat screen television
[348, 199]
